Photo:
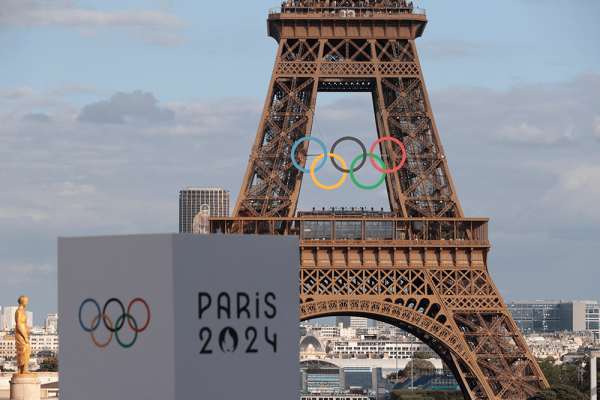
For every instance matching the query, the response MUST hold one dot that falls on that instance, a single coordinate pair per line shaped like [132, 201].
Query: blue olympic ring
[81, 307]
[302, 140]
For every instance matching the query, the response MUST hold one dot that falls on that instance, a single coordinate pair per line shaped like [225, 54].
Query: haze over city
[108, 109]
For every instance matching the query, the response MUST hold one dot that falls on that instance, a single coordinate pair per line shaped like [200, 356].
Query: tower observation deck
[315, 19]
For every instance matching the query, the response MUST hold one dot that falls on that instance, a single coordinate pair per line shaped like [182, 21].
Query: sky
[109, 108]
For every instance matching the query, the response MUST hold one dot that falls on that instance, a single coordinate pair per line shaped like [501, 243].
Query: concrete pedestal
[24, 387]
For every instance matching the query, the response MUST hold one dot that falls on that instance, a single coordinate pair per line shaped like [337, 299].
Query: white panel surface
[172, 273]
[258, 273]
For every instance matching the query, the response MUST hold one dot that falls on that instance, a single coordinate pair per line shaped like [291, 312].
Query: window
[317, 230]
[348, 230]
[379, 230]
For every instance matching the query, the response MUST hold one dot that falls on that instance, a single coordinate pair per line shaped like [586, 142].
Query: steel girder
[390, 70]
[457, 312]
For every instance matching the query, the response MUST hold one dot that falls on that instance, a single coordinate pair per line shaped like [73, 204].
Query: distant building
[38, 343]
[351, 322]
[8, 318]
[197, 204]
[52, 323]
[553, 316]
[29, 315]
[327, 331]
[387, 348]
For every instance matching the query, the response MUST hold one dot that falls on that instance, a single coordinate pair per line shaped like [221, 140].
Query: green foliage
[422, 355]
[564, 380]
[559, 392]
[427, 395]
[49, 365]
[561, 374]
[421, 367]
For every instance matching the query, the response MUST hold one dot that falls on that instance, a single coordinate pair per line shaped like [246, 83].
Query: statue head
[23, 300]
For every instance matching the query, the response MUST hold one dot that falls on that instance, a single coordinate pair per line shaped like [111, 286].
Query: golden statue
[22, 336]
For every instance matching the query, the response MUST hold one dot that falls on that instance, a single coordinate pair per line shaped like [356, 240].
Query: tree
[562, 374]
[49, 365]
[559, 392]
[427, 395]
[422, 355]
[421, 367]
[551, 371]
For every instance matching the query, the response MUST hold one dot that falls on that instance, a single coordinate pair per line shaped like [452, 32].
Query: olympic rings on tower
[363, 157]
[118, 323]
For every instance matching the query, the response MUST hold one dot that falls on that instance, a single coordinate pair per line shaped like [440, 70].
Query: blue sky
[108, 109]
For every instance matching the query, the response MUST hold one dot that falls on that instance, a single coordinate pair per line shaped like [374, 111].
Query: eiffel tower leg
[396, 198]
[423, 186]
[444, 296]
[272, 183]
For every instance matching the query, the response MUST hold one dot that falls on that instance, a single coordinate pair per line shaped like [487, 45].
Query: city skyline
[102, 123]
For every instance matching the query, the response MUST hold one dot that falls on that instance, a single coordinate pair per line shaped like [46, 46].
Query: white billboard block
[193, 316]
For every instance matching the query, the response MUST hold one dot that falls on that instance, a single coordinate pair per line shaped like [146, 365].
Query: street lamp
[396, 356]
[593, 375]
[412, 363]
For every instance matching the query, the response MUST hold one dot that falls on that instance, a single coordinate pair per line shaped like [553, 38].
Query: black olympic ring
[364, 154]
[118, 327]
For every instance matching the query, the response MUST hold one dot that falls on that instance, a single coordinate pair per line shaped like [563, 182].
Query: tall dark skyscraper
[197, 204]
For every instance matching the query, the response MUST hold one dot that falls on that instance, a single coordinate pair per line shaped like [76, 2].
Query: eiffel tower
[422, 266]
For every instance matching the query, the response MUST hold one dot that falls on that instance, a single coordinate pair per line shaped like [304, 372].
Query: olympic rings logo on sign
[108, 323]
[363, 157]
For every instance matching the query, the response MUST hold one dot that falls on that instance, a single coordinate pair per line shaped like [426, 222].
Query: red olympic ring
[147, 308]
[403, 154]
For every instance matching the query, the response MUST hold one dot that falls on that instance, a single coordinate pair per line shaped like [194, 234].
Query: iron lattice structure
[422, 266]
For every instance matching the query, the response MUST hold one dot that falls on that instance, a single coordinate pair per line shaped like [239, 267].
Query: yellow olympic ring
[111, 330]
[312, 173]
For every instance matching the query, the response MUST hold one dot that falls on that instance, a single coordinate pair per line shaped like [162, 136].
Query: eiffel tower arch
[422, 266]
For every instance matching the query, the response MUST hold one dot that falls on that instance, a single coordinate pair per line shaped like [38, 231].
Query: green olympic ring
[354, 179]
[117, 332]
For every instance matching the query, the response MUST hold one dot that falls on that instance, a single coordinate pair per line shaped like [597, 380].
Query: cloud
[43, 202]
[36, 117]
[163, 39]
[136, 105]
[31, 267]
[445, 48]
[69, 189]
[596, 127]
[19, 213]
[71, 88]
[570, 207]
[526, 134]
[542, 114]
[16, 94]
[64, 13]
